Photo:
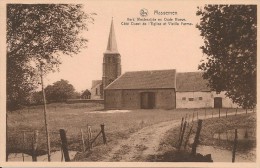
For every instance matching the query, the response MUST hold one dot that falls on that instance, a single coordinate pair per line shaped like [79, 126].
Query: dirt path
[141, 144]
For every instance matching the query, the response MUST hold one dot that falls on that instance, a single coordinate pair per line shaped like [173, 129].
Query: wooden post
[182, 134]
[90, 145]
[218, 112]
[188, 137]
[34, 146]
[226, 112]
[234, 147]
[45, 116]
[83, 142]
[246, 134]
[103, 133]
[236, 112]
[185, 117]
[180, 129]
[196, 139]
[192, 116]
[23, 145]
[246, 110]
[64, 145]
[205, 113]
[197, 115]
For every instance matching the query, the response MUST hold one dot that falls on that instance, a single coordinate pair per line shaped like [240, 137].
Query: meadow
[74, 117]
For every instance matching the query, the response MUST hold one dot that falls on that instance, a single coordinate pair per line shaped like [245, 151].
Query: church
[163, 89]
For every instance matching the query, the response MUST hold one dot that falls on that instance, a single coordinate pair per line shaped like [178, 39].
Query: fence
[188, 123]
[32, 146]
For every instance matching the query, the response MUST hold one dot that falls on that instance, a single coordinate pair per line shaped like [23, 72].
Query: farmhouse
[192, 92]
[163, 89]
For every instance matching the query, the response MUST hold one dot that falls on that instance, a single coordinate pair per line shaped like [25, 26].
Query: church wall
[131, 99]
[96, 92]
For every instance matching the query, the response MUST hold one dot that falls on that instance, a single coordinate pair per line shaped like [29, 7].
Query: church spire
[111, 45]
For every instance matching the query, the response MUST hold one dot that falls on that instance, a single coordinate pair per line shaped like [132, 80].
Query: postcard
[129, 83]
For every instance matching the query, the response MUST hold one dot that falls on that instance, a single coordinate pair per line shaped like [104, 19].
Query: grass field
[73, 117]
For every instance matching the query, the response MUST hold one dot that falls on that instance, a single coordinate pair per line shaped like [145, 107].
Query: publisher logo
[144, 12]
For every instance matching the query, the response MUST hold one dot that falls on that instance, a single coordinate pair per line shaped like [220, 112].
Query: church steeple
[111, 45]
[111, 60]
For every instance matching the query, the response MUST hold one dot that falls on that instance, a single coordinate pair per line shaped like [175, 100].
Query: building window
[200, 98]
[191, 99]
[183, 98]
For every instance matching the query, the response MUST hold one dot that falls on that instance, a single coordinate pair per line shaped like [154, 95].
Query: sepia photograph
[129, 81]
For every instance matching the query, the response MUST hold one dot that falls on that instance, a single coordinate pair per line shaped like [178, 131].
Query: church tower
[111, 60]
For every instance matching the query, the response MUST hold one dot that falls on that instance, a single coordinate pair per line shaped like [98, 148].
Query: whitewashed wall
[93, 92]
[206, 102]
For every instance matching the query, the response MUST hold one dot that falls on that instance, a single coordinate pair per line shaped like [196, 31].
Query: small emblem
[143, 12]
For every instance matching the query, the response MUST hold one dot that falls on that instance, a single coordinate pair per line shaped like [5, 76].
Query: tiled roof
[145, 80]
[191, 81]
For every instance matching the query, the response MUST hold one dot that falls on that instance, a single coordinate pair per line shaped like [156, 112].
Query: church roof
[111, 44]
[145, 80]
[95, 83]
[191, 81]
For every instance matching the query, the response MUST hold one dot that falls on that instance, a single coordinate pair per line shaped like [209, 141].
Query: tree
[40, 34]
[229, 33]
[60, 91]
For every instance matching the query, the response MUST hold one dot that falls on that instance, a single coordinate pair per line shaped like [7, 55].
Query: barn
[192, 91]
[142, 89]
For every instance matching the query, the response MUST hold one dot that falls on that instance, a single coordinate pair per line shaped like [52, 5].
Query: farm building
[192, 92]
[142, 89]
[163, 89]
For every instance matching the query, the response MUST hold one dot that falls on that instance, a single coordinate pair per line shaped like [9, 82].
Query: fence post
[236, 112]
[180, 130]
[103, 133]
[234, 147]
[197, 115]
[205, 113]
[34, 146]
[226, 112]
[23, 145]
[188, 137]
[83, 142]
[246, 110]
[192, 116]
[64, 145]
[90, 145]
[182, 134]
[196, 139]
[218, 112]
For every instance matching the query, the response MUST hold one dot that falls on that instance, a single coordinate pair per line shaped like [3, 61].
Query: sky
[142, 47]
